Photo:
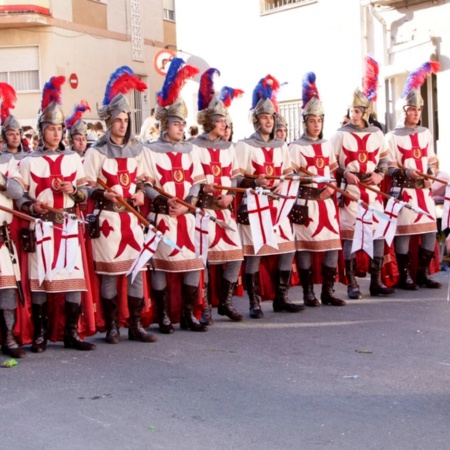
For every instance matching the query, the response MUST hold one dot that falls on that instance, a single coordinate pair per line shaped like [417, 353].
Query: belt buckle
[418, 183]
[117, 207]
[59, 218]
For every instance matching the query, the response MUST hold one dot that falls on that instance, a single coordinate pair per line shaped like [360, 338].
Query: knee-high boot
[226, 307]
[404, 266]
[71, 336]
[328, 297]
[253, 291]
[136, 331]
[162, 304]
[40, 321]
[110, 312]
[282, 302]
[10, 346]
[423, 277]
[206, 318]
[188, 321]
[309, 299]
[352, 287]
[376, 286]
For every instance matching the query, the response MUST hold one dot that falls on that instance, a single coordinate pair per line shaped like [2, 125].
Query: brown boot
[352, 287]
[40, 322]
[376, 286]
[10, 346]
[309, 298]
[423, 277]
[226, 307]
[110, 313]
[187, 320]
[253, 291]
[206, 318]
[404, 266]
[136, 331]
[328, 297]
[71, 336]
[162, 304]
[282, 302]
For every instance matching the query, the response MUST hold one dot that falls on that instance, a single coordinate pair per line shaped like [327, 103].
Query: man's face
[413, 115]
[356, 116]
[79, 143]
[52, 136]
[314, 126]
[119, 127]
[13, 139]
[220, 126]
[281, 133]
[265, 122]
[175, 130]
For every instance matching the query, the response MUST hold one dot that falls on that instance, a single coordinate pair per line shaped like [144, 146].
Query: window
[268, 6]
[169, 10]
[291, 112]
[19, 66]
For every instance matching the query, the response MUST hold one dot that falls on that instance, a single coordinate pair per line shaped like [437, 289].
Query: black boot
[136, 331]
[162, 304]
[226, 307]
[309, 299]
[187, 320]
[40, 322]
[110, 312]
[253, 291]
[328, 297]
[352, 287]
[206, 318]
[10, 346]
[71, 336]
[423, 277]
[282, 302]
[376, 285]
[404, 267]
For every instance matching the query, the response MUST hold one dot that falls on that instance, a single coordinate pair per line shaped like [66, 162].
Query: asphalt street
[372, 375]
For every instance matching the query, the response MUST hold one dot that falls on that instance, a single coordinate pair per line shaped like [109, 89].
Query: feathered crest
[121, 81]
[228, 94]
[266, 89]
[206, 89]
[82, 107]
[417, 78]
[52, 91]
[176, 77]
[309, 88]
[8, 99]
[370, 81]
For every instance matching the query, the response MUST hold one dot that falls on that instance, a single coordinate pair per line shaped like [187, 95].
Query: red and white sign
[73, 80]
[162, 60]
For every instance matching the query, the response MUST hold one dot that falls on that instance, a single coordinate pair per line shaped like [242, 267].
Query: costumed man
[11, 129]
[314, 216]
[116, 159]
[11, 188]
[281, 130]
[54, 178]
[227, 94]
[174, 168]
[77, 129]
[220, 166]
[260, 155]
[411, 152]
[362, 157]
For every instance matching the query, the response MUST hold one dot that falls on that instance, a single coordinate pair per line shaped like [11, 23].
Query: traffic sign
[73, 80]
[162, 60]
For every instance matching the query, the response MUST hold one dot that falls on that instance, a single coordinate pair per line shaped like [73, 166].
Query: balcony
[15, 13]
[272, 6]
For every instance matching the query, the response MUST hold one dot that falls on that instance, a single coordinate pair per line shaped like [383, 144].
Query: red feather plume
[418, 77]
[52, 91]
[77, 113]
[8, 95]
[370, 82]
[125, 83]
[185, 73]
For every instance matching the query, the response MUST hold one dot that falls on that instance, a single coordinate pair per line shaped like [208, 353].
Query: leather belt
[418, 183]
[51, 216]
[310, 193]
[362, 176]
[206, 201]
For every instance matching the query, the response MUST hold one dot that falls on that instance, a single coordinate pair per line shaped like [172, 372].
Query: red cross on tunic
[421, 201]
[123, 177]
[215, 169]
[176, 174]
[362, 155]
[392, 215]
[415, 153]
[183, 237]
[202, 230]
[268, 166]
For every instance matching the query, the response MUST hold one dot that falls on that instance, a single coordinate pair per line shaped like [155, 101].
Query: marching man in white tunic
[317, 229]
[173, 167]
[117, 160]
[411, 152]
[54, 177]
[259, 156]
[220, 166]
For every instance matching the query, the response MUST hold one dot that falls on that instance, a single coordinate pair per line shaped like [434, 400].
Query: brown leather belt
[418, 183]
[206, 201]
[111, 206]
[51, 216]
[310, 193]
[362, 176]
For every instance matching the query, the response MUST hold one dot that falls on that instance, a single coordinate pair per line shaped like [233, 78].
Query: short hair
[193, 130]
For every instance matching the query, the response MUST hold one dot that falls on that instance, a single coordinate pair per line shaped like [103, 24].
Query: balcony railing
[268, 6]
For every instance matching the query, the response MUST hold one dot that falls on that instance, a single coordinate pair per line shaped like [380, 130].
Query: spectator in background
[193, 132]
[98, 128]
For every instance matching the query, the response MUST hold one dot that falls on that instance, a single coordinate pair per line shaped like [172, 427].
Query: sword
[15, 261]
[140, 217]
[193, 208]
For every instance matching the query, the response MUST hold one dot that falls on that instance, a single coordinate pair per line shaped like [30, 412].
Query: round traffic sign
[73, 80]
[162, 60]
